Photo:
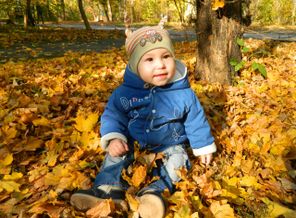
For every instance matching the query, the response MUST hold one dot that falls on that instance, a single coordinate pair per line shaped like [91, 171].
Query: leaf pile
[10, 37]
[49, 137]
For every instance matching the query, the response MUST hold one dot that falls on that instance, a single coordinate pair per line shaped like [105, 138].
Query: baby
[156, 107]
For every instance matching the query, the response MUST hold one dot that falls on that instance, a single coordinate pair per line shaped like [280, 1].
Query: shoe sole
[84, 202]
[151, 206]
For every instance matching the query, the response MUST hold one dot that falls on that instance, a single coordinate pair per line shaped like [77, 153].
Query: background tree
[7, 8]
[217, 27]
[180, 7]
[28, 17]
[83, 15]
[63, 9]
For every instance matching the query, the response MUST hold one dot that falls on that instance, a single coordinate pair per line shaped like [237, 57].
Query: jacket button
[147, 130]
[153, 111]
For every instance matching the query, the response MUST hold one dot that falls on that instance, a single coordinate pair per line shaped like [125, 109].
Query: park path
[25, 51]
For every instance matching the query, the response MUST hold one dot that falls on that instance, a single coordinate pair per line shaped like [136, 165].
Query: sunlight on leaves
[102, 209]
[276, 209]
[49, 135]
[139, 175]
[86, 123]
[221, 209]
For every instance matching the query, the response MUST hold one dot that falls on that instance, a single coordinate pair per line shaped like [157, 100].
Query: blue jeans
[175, 157]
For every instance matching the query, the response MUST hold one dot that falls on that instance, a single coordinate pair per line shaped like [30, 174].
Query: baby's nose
[160, 63]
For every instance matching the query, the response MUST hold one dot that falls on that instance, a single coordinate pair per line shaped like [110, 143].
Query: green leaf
[254, 66]
[260, 68]
[239, 66]
[245, 49]
[233, 62]
[240, 42]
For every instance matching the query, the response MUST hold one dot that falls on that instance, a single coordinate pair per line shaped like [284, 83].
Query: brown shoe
[151, 206]
[85, 199]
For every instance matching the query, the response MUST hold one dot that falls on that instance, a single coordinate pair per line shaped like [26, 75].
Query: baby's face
[157, 67]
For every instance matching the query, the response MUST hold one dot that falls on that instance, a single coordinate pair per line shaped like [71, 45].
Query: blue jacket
[157, 117]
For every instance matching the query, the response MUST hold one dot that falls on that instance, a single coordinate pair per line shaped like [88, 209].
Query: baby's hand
[117, 148]
[206, 159]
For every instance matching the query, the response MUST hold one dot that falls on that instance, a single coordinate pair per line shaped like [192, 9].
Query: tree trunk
[110, 15]
[180, 11]
[216, 34]
[28, 18]
[105, 7]
[83, 15]
[63, 9]
[122, 10]
[39, 13]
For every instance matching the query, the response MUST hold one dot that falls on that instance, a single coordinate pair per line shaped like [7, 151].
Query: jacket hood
[180, 80]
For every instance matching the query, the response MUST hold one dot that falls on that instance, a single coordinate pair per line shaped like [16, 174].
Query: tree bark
[28, 18]
[180, 11]
[39, 13]
[63, 9]
[216, 34]
[110, 14]
[83, 15]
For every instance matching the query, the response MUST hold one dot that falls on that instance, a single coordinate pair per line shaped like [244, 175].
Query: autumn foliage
[49, 137]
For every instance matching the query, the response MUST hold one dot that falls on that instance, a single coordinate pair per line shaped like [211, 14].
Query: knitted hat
[144, 40]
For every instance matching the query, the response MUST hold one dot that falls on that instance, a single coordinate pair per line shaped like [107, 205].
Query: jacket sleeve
[113, 122]
[198, 129]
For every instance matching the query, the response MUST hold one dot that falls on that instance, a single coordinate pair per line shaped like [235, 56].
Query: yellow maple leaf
[221, 209]
[102, 209]
[33, 144]
[249, 181]
[292, 133]
[51, 158]
[178, 197]
[86, 123]
[183, 212]
[52, 194]
[9, 186]
[276, 209]
[13, 176]
[233, 194]
[10, 132]
[132, 202]
[41, 122]
[7, 160]
[216, 4]
[89, 140]
[139, 175]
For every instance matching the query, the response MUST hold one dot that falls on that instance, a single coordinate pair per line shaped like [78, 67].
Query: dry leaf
[139, 175]
[102, 209]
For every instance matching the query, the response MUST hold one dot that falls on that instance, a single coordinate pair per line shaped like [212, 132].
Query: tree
[63, 9]
[28, 17]
[39, 13]
[107, 9]
[180, 7]
[83, 15]
[217, 27]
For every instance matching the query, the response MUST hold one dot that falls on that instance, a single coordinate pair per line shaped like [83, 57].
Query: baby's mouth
[160, 75]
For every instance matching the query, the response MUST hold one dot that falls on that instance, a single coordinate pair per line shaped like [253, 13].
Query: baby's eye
[149, 59]
[167, 56]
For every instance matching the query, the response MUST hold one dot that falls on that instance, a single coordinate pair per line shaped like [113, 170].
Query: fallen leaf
[276, 209]
[102, 209]
[222, 210]
[86, 123]
[139, 175]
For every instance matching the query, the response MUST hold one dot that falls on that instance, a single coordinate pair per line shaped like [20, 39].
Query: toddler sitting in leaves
[156, 107]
